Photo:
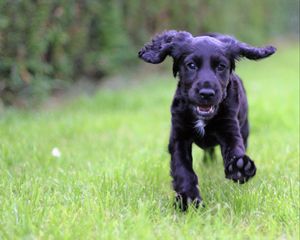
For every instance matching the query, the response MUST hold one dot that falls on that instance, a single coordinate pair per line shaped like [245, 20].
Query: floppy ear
[254, 53]
[162, 45]
[240, 49]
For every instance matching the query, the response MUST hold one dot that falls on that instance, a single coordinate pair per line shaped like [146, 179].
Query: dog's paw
[240, 169]
[183, 201]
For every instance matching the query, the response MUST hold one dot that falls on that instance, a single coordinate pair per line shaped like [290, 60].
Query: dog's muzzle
[205, 107]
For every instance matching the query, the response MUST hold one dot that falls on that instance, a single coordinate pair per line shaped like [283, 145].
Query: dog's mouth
[205, 110]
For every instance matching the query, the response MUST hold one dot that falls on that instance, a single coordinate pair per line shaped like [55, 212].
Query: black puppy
[209, 107]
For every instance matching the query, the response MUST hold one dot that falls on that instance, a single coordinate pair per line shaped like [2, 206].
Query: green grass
[112, 180]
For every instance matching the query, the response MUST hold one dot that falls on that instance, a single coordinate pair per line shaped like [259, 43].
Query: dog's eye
[221, 67]
[191, 66]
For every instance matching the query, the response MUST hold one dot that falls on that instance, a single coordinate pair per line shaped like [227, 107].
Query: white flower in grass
[56, 152]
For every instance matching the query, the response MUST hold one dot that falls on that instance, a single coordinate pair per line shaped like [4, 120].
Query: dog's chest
[199, 127]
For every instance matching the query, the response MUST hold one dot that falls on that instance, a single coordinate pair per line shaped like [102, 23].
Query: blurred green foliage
[45, 45]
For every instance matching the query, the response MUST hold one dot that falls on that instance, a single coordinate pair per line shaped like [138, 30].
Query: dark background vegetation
[46, 46]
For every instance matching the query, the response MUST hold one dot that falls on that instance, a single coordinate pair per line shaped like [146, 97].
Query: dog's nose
[207, 93]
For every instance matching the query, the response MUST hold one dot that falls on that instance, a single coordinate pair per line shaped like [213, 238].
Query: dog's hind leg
[209, 155]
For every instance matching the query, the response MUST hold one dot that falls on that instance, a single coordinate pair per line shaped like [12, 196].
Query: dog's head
[204, 64]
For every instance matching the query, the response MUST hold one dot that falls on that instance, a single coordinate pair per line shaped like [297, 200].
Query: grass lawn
[112, 179]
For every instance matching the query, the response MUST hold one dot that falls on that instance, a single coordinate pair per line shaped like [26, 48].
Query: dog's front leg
[185, 181]
[238, 166]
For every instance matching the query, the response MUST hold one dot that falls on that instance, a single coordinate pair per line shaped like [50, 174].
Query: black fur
[209, 107]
